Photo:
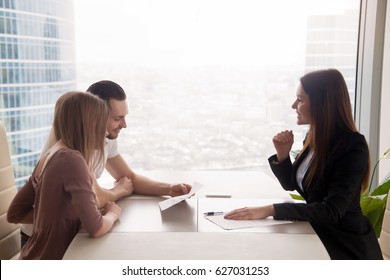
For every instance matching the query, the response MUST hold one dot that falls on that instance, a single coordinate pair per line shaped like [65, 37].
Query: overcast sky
[194, 32]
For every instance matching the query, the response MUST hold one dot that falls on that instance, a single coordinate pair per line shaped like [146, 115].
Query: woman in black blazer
[330, 172]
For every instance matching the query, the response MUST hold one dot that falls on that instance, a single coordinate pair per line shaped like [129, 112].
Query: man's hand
[179, 189]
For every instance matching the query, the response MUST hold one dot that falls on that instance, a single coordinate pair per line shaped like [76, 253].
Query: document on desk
[165, 204]
[219, 220]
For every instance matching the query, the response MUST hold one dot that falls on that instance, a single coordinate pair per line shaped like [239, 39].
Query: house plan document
[219, 220]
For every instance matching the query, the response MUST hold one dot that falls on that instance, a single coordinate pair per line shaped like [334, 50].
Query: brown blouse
[63, 201]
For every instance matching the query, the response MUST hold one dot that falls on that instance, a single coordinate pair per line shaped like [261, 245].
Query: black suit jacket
[333, 201]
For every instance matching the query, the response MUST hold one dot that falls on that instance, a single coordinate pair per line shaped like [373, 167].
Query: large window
[36, 67]
[210, 82]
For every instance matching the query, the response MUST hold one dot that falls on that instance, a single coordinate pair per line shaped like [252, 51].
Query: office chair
[384, 238]
[9, 233]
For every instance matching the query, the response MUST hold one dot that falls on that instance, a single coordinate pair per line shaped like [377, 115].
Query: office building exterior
[37, 65]
[332, 42]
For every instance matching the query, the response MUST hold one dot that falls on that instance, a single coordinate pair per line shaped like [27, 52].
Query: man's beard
[111, 137]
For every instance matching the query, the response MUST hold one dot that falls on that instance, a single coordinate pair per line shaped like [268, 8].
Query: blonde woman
[59, 196]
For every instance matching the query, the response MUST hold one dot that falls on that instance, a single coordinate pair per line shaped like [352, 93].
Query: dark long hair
[331, 112]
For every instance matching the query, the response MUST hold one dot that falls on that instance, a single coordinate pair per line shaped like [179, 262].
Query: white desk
[182, 232]
[144, 215]
[196, 246]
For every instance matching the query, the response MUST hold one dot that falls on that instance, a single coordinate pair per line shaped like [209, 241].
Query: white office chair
[9, 233]
[384, 239]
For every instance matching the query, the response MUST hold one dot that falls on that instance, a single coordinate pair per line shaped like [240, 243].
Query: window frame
[369, 74]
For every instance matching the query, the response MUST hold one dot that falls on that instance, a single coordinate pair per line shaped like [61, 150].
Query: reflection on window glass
[210, 82]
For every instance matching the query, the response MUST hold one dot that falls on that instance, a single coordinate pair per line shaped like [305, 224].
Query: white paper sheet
[219, 220]
[165, 204]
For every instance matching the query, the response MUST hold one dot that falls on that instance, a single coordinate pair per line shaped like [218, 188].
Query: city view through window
[210, 82]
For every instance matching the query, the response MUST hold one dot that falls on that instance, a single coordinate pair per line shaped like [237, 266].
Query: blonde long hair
[80, 121]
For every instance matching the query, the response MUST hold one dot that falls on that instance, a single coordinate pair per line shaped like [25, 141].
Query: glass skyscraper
[332, 42]
[37, 65]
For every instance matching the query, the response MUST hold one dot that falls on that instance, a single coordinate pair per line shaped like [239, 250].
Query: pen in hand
[213, 213]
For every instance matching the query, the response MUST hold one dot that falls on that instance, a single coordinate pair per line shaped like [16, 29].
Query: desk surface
[226, 205]
[144, 215]
[182, 232]
[196, 245]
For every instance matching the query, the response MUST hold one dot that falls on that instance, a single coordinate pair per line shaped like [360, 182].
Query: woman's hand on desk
[111, 212]
[251, 213]
[179, 189]
[111, 208]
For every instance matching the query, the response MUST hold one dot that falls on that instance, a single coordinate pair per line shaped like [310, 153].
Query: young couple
[62, 194]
